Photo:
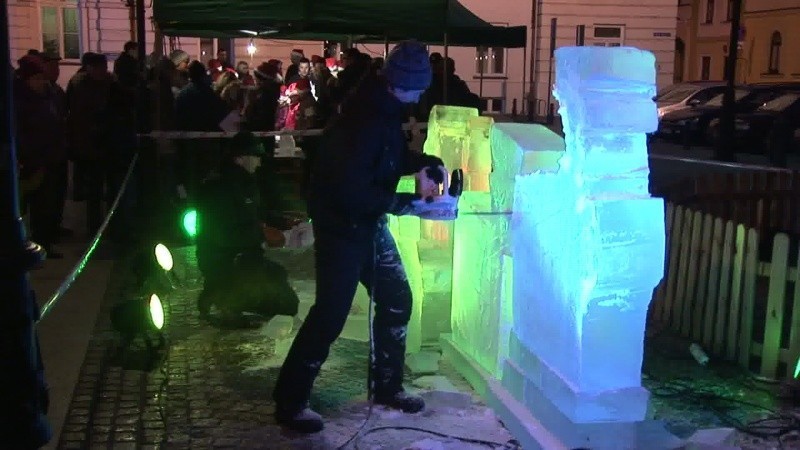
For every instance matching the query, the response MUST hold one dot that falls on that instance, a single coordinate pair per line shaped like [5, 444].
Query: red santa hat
[331, 63]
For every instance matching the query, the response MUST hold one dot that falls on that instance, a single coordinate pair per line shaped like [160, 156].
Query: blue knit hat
[408, 67]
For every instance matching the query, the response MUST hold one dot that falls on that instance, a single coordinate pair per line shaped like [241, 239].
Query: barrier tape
[226, 134]
[711, 162]
[78, 269]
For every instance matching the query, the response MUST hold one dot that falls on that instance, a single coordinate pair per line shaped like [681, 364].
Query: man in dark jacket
[126, 68]
[354, 183]
[197, 108]
[42, 149]
[238, 278]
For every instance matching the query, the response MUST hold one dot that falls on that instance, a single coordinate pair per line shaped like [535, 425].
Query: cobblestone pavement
[213, 389]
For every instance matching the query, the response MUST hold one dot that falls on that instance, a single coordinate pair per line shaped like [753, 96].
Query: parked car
[753, 129]
[687, 95]
[695, 121]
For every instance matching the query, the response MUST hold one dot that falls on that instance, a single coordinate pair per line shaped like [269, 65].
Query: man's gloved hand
[431, 165]
[440, 207]
[403, 203]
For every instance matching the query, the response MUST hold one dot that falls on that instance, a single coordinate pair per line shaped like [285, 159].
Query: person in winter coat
[87, 98]
[237, 277]
[354, 182]
[42, 149]
[262, 104]
[126, 67]
[197, 108]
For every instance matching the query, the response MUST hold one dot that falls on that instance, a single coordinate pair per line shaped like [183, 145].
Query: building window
[775, 53]
[493, 105]
[490, 60]
[725, 69]
[705, 68]
[60, 30]
[709, 11]
[608, 36]
[680, 55]
[729, 11]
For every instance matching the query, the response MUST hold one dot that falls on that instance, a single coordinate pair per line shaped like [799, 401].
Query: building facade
[771, 41]
[710, 29]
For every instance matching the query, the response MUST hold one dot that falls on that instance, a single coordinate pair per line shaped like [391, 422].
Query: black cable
[371, 360]
[492, 444]
[776, 425]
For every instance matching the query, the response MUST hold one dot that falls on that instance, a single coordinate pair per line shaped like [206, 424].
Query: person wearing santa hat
[262, 104]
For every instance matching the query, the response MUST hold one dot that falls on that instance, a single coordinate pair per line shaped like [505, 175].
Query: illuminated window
[59, 25]
[490, 60]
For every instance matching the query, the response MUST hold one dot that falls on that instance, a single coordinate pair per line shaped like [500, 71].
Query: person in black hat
[237, 276]
[354, 182]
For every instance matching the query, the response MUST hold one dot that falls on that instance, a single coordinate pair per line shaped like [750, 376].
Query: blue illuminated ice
[588, 241]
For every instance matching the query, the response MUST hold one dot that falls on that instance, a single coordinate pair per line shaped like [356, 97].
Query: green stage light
[156, 312]
[189, 222]
[138, 317]
[164, 257]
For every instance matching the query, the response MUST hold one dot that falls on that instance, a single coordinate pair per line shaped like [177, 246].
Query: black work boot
[204, 302]
[403, 401]
[305, 421]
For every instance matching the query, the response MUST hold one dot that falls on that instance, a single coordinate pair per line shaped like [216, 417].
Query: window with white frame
[608, 36]
[59, 25]
[490, 61]
[493, 105]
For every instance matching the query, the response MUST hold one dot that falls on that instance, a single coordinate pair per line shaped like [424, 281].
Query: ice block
[588, 247]
[482, 275]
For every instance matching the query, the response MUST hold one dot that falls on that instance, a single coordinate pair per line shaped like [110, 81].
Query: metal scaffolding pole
[23, 391]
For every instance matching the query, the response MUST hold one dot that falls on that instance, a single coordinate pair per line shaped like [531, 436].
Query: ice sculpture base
[531, 379]
[542, 425]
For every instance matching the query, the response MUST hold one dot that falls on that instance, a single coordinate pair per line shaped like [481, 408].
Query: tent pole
[480, 63]
[444, 72]
[385, 46]
[524, 75]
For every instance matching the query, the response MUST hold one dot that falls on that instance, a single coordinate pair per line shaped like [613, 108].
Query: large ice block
[480, 317]
[588, 246]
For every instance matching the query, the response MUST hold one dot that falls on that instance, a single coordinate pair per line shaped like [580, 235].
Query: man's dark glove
[402, 203]
[431, 165]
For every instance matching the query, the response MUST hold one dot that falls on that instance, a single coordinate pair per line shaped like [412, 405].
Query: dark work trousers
[341, 264]
[45, 207]
[62, 171]
[90, 183]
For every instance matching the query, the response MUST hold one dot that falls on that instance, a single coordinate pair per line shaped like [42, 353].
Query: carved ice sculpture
[588, 247]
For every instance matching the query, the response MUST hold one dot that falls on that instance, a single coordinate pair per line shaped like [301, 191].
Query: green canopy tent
[444, 22]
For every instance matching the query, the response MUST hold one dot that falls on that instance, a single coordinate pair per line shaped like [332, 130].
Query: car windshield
[780, 103]
[717, 101]
[677, 95]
